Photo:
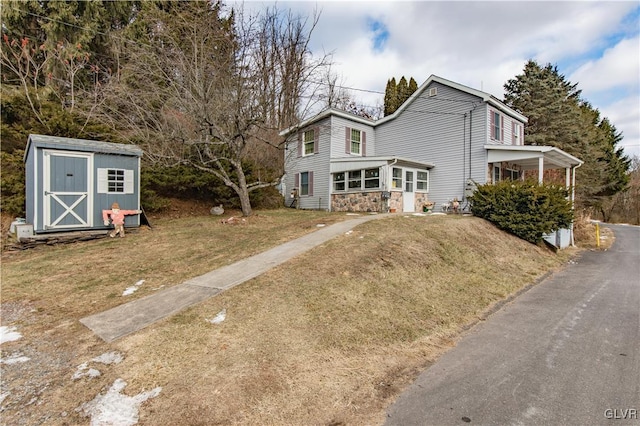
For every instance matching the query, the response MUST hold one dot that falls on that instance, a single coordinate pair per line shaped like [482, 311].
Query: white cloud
[618, 66]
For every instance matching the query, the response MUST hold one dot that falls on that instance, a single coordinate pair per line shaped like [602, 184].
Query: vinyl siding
[508, 125]
[318, 163]
[338, 125]
[436, 130]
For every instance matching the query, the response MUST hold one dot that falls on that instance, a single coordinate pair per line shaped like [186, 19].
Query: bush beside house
[526, 209]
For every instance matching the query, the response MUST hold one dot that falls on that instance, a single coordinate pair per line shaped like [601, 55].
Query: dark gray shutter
[310, 183]
[364, 144]
[299, 144]
[316, 138]
[347, 143]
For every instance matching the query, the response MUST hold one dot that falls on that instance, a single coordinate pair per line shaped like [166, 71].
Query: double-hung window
[422, 181]
[356, 141]
[517, 131]
[308, 141]
[338, 181]
[496, 126]
[355, 179]
[304, 183]
[372, 178]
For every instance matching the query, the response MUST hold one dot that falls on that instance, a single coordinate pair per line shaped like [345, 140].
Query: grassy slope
[330, 337]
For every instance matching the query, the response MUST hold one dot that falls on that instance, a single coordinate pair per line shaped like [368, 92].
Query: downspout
[573, 200]
[464, 154]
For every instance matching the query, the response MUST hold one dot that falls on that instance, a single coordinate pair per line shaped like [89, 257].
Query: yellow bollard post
[597, 235]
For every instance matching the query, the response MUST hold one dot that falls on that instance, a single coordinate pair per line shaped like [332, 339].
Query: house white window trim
[108, 182]
[356, 180]
[339, 181]
[356, 142]
[517, 133]
[304, 187]
[396, 181]
[496, 125]
[308, 142]
[497, 172]
[422, 182]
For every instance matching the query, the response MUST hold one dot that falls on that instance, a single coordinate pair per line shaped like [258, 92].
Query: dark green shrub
[526, 209]
[12, 183]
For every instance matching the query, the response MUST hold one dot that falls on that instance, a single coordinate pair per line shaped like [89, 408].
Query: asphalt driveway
[566, 352]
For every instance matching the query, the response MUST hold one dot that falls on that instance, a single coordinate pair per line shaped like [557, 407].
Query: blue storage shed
[70, 181]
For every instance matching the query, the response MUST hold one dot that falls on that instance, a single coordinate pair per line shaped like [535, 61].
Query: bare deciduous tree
[211, 89]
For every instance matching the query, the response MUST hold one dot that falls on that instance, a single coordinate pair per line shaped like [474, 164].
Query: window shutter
[299, 144]
[501, 128]
[522, 134]
[128, 182]
[103, 184]
[364, 144]
[513, 132]
[310, 183]
[296, 184]
[347, 144]
[316, 138]
[492, 124]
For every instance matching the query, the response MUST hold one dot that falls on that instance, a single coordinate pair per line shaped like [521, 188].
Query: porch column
[567, 177]
[540, 169]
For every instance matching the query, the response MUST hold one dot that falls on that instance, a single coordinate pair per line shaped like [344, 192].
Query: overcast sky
[483, 44]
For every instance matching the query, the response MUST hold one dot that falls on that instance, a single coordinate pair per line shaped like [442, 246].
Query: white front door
[408, 197]
[67, 195]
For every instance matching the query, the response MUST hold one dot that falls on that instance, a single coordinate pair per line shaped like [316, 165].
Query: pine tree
[403, 90]
[390, 97]
[413, 86]
[559, 117]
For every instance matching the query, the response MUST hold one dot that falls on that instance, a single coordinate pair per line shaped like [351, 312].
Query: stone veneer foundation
[372, 202]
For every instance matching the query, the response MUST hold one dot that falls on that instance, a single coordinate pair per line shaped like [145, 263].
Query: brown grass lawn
[331, 337]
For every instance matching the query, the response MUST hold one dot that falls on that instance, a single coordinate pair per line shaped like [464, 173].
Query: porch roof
[349, 163]
[528, 156]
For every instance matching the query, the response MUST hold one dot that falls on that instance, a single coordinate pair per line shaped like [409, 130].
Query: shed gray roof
[57, 142]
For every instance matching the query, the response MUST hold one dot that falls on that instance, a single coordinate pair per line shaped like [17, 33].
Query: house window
[115, 181]
[496, 126]
[396, 181]
[496, 174]
[422, 181]
[355, 141]
[512, 174]
[355, 179]
[338, 182]
[304, 183]
[308, 140]
[408, 182]
[372, 178]
[517, 130]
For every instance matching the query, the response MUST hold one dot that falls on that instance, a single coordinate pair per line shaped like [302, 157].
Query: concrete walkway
[133, 316]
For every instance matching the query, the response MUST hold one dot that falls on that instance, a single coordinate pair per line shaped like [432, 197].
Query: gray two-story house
[443, 140]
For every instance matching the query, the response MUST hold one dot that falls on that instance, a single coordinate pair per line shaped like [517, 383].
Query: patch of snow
[3, 396]
[132, 289]
[438, 214]
[419, 214]
[8, 334]
[14, 359]
[321, 225]
[115, 408]
[348, 232]
[353, 214]
[221, 316]
[109, 358]
[158, 288]
[84, 371]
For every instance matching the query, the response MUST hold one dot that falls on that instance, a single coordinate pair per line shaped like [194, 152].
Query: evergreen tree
[390, 97]
[413, 86]
[402, 91]
[559, 117]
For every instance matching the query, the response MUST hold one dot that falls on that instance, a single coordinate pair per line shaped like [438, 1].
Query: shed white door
[67, 190]
[408, 196]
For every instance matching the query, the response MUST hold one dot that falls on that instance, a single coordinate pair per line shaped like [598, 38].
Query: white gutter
[573, 200]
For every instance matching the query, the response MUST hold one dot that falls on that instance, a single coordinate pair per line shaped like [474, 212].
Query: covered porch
[536, 160]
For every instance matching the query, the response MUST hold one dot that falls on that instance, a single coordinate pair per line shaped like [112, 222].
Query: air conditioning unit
[433, 91]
